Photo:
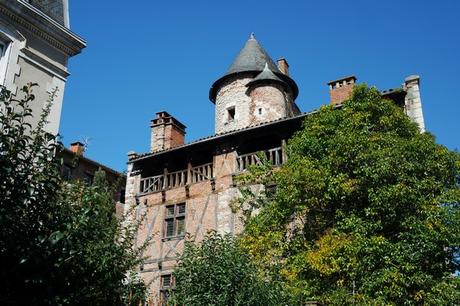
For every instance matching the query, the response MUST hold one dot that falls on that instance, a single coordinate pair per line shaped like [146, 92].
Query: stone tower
[254, 90]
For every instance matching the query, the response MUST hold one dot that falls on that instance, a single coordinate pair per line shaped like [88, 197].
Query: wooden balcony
[274, 156]
[176, 179]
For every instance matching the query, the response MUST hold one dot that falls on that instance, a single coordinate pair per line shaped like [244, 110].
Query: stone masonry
[413, 102]
[233, 95]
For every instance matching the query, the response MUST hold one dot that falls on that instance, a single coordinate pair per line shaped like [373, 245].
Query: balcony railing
[274, 157]
[177, 178]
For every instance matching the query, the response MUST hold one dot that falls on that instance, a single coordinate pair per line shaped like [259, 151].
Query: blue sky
[146, 56]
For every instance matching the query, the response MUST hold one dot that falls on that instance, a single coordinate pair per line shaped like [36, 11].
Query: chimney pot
[77, 148]
[132, 155]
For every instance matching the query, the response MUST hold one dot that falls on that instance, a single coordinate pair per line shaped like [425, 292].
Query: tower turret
[270, 98]
[252, 91]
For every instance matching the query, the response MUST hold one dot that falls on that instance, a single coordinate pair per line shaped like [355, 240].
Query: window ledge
[173, 238]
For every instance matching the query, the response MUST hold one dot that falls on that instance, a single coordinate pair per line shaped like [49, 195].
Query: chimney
[283, 66]
[413, 101]
[167, 132]
[77, 148]
[341, 89]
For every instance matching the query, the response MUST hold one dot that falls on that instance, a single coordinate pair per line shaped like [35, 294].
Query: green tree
[366, 210]
[60, 243]
[217, 272]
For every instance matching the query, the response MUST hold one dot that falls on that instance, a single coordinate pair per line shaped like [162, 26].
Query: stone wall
[262, 103]
[413, 101]
[268, 103]
[233, 94]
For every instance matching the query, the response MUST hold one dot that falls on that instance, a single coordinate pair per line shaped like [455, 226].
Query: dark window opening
[122, 196]
[230, 114]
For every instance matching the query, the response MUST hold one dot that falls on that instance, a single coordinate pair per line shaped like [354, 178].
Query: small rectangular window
[174, 224]
[230, 114]
[166, 281]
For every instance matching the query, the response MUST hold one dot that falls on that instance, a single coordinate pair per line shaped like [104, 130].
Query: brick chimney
[341, 89]
[283, 66]
[77, 148]
[167, 132]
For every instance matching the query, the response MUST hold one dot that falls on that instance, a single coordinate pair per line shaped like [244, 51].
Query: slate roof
[252, 58]
[266, 75]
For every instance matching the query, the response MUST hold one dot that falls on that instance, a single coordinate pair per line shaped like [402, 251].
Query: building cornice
[32, 19]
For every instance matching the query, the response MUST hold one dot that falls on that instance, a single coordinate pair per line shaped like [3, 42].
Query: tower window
[260, 110]
[231, 114]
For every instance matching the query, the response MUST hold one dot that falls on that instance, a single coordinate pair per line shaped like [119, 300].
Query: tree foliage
[217, 272]
[366, 210]
[60, 243]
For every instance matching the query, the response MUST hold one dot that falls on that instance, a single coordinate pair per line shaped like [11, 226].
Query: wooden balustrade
[205, 172]
[177, 179]
[202, 173]
[152, 184]
[274, 157]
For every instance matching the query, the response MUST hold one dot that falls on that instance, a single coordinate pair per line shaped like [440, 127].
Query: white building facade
[35, 46]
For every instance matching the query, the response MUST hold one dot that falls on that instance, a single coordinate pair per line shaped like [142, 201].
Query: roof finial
[252, 36]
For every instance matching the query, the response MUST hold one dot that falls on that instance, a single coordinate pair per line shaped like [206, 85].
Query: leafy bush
[218, 272]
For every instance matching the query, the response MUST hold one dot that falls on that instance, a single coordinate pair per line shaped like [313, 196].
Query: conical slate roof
[252, 58]
[266, 75]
